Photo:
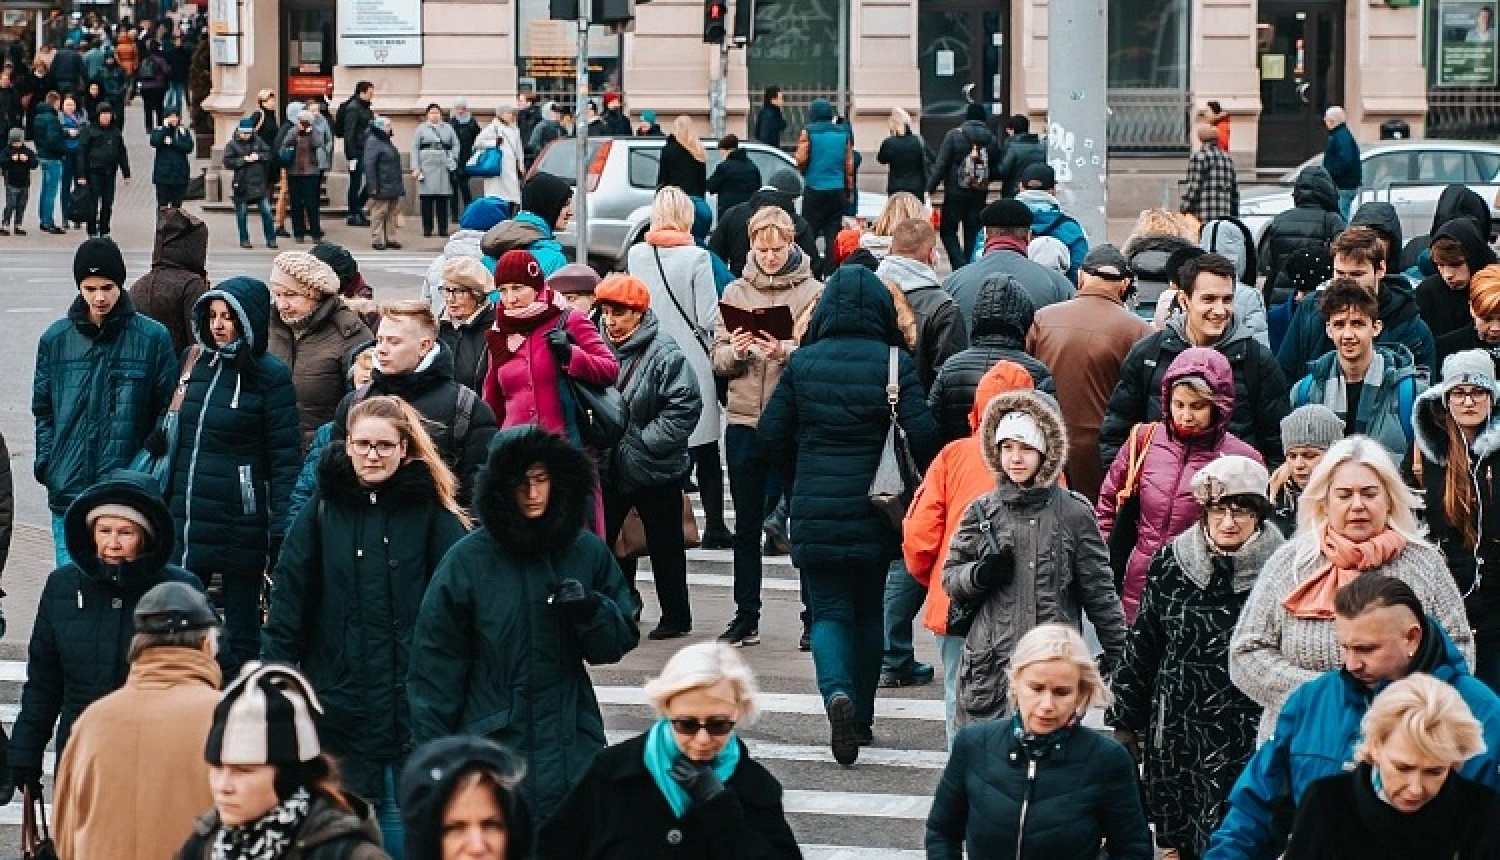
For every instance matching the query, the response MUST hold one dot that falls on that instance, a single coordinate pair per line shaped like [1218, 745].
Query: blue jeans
[846, 637]
[267, 223]
[52, 170]
[59, 541]
[175, 93]
[388, 816]
[1346, 201]
[904, 597]
[951, 649]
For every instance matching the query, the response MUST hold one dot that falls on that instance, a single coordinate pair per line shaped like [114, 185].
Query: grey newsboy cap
[173, 607]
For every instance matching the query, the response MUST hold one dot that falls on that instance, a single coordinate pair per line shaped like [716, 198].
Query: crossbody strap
[189, 361]
[892, 383]
[1136, 454]
[690, 320]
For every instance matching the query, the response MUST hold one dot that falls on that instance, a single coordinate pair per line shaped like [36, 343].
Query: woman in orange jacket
[127, 53]
[957, 477]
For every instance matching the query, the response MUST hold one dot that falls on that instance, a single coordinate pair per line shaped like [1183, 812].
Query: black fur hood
[412, 485]
[512, 452]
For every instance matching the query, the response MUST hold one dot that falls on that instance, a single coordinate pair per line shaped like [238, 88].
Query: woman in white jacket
[503, 132]
[680, 278]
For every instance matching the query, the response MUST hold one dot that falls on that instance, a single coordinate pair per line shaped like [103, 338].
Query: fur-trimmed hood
[512, 452]
[1199, 562]
[1429, 427]
[412, 485]
[1047, 417]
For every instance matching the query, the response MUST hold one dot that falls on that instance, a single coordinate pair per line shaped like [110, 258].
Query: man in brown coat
[178, 275]
[1085, 340]
[132, 776]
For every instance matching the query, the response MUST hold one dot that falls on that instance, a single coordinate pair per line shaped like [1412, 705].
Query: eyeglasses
[455, 292]
[716, 727]
[362, 448]
[1468, 395]
[1219, 509]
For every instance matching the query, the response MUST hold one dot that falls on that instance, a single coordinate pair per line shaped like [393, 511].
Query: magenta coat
[1167, 505]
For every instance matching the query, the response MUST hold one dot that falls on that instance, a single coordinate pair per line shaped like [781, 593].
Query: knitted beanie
[302, 273]
[545, 196]
[786, 181]
[265, 718]
[121, 512]
[1311, 426]
[1470, 367]
[99, 258]
[519, 267]
[338, 258]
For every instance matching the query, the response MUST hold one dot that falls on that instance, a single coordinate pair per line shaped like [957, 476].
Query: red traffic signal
[714, 13]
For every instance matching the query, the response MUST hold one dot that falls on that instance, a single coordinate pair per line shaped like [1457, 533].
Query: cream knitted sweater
[1273, 653]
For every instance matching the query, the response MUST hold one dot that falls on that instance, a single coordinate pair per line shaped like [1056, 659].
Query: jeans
[748, 476]
[103, 186]
[710, 477]
[904, 597]
[242, 592]
[434, 206]
[170, 196]
[382, 220]
[388, 816]
[59, 541]
[241, 208]
[1487, 660]
[15, 204]
[52, 172]
[960, 211]
[305, 191]
[1346, 201]
[824, 211]
[660, 509]
[951, 649]
[65, 192]
[846, 639]
[358, 194]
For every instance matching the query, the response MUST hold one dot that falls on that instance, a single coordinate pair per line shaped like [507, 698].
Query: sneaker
[19, 232]
[717, 537]
[664, 632]
[4, 231]
[394, 246]
[379, 247]
[843, 736]
[865, 737]
[918, 675]
[742, 632]
[272, 245]
[246, 245]
[281, 233]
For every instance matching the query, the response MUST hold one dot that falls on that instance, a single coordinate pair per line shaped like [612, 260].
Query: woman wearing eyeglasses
[348, 585]
[1459, 445]
[687, 788]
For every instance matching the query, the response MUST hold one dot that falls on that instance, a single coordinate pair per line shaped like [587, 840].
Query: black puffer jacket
[680, 168]
[955, 147]
[1020, 152]
[905, 157]
[354, 125]
[84, 618]
[735, 180]
[1002, 316]
[662, 393]
[731, 236]
[1312, 223]
[1445, 309]
[249, 181]
[1456, 201]
[344, 603]
[178, 276]
[465, 342]
[102, 150]
[239, 447]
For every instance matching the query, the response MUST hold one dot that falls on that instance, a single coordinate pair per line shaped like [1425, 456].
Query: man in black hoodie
[1458, 251]
[1311, 223]
[101, 155]
[731, 236]
[965, 193]
[1457, 200]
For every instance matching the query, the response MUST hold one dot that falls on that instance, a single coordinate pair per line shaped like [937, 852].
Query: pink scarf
[1344, 561]
[669, 238]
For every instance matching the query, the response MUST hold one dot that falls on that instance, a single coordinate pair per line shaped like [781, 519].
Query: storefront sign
[380, 32]
[1466, 43]
[308, 85]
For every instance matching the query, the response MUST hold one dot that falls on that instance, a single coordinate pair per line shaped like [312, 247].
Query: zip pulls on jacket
[1026, 803]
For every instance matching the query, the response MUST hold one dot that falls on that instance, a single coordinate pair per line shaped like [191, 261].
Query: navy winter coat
[47, 131]
[174, 146]
[828, 418]
[1341, 158]
[239, 444]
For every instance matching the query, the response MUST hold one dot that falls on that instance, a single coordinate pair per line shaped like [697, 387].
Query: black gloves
[572, 598]
[996, 570]
[22, 776]
[561, 346]
[697, 779]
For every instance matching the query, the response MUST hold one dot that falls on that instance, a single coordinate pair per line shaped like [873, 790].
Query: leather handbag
[159, 465]
[485, 163]
[961, 613]
[36, 837]
[1127, 529]
[599, 411]
[632, 542]
[896, 476]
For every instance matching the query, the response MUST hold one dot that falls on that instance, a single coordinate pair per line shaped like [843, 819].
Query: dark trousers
[1487, 660]
[241, 594]
[434, 207]
[463, 195]
[904, 597]
[15, 210]
[824, 211]
[103, 186]
[153, 101]
[358, 193]
[304, 192]
[710, 477]
[960, 211]
[170, 195]
[65, 192]
[660, 509]
[749, 473]
[846, 638]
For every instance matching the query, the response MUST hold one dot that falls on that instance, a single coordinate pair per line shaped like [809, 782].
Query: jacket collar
[1198, 561]
[170, 666]
[750, 780]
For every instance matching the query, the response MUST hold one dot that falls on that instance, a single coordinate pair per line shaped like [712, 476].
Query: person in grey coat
[645, 471]
[1027, 553]
[434, 158]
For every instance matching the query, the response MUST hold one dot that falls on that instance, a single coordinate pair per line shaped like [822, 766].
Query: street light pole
[581, 129]
[843, 97]
[1078, 109]
[719, 103]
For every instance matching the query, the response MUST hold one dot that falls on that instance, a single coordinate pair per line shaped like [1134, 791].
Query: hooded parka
[1061, 567]
[1443, 308]
[492, 654]
[239, 449]
[661, 393]
[80, 640]
[344, 602]
[178, 276]
[1457, 200]
[1312, 223]
[1307, 338]
[1167, 505]
[317, 352]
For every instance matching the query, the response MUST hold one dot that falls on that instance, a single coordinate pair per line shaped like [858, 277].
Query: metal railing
[794, 107]
[1463, 114]
[1150, 121]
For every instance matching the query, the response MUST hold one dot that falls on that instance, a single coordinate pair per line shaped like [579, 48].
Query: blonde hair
[1164, 221]
[415, 310]
[1428, 715]
[1047, 642]
[419, 447]
[899, 122]
[687, 137]
[672, 209]
[772, 219]
[1312, 506]
[901, 206]
[704, 665]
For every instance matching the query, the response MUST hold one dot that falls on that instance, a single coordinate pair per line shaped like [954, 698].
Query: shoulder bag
[600, 411]
[721, 384]
[159, 466]
[486, 163]
[1127, 529]
[897, 476]
[961, 613]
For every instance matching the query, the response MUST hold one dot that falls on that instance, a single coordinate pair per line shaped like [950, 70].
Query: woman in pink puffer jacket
[1198, 398]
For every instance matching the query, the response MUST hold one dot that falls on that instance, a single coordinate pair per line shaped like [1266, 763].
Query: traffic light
[563, 10]
[714, 14]
[744, 22]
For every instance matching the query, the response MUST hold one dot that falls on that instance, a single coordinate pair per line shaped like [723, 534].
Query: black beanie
[338, 259]
[545, 196]
[99, 257]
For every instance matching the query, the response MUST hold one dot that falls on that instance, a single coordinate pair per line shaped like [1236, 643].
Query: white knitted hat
[302, 273]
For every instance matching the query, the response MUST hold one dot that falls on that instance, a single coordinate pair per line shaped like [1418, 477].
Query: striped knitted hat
[265, 718]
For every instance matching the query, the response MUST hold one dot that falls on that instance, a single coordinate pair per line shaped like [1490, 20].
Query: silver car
[622, 184]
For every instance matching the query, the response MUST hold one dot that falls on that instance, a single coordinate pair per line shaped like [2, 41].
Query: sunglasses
[716, 727]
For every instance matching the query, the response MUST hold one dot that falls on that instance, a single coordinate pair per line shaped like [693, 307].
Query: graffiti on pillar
[1067, 154]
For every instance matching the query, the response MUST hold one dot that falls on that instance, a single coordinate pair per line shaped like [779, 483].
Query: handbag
[159, 466]
[961, 613]
[897, 475]
[1127, 529]
[485, 163]
[36, 837]
[631, 542]
[599, 411]
[82, 203]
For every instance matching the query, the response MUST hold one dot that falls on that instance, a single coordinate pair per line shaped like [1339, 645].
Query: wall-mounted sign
[224, 50]
[1466, 43]
[380, 32]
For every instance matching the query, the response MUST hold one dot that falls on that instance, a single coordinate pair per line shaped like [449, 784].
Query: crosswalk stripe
[802, 704]
[724, 580]
[13, 671]
[844, 852]
[862, 805]
[767, 751]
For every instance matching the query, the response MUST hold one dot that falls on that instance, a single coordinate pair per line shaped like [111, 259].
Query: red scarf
[507, 323]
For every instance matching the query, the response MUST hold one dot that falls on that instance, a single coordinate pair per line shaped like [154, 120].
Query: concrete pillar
[1383, 72]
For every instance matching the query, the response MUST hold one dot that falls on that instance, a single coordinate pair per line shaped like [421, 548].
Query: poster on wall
[380, 32]
[1466, 43]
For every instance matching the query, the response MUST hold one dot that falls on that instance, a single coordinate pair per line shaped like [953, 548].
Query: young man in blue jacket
[825, 155]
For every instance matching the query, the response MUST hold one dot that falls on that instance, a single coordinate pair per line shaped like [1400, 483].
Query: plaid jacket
[1212, 191]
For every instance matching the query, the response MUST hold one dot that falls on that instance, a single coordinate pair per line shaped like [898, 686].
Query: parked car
[622, 184]
[1409, 174]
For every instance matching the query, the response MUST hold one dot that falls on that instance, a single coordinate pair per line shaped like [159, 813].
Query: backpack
[150, 67]
[340, 118]
[974, 170]
[463, 415]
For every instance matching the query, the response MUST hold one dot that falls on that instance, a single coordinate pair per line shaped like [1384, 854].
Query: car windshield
[560, 158]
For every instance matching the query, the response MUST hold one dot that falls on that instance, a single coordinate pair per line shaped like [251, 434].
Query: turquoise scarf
[661, 751]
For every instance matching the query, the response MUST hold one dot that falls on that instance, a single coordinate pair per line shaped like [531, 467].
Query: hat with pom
[519, 267]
